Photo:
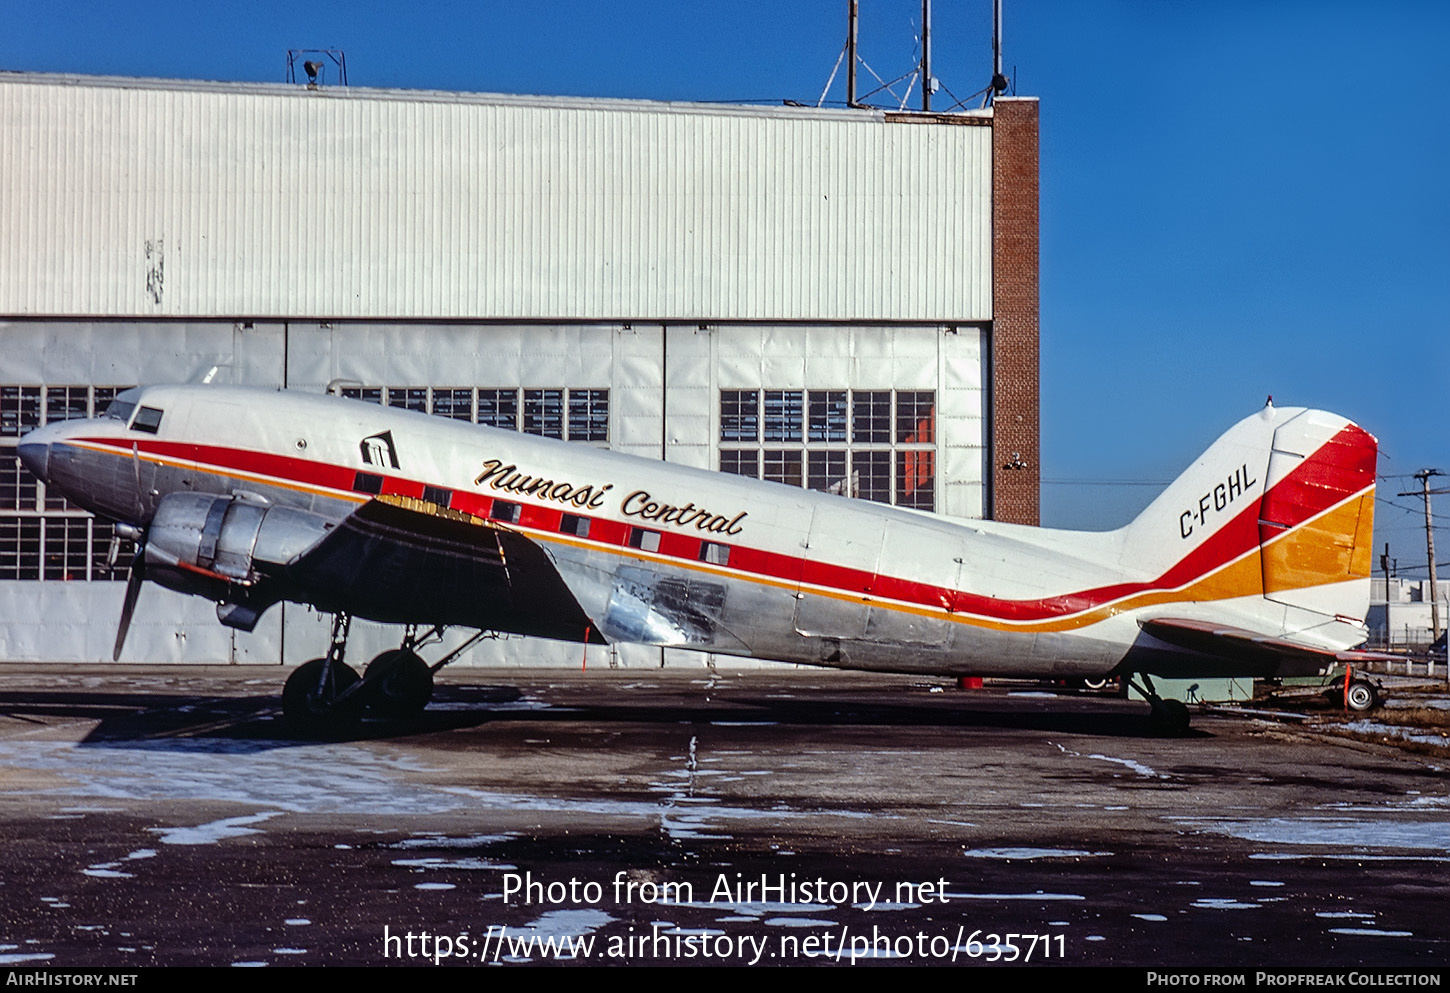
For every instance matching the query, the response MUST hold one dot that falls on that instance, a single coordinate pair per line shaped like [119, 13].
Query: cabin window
[644, 539]
[714, 553]
[574, 524]
[875, 445]
[367, 482]
[507, 511]
[437, 495]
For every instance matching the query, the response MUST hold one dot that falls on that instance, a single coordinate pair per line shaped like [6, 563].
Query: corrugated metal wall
[151, 199]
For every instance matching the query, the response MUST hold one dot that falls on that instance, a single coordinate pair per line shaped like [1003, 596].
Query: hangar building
[834, 299]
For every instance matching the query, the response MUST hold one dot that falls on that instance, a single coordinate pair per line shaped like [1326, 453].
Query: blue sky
[1238, 198]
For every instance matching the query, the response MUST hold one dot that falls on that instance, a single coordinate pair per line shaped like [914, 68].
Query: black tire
[400, 684]
[314, 710]
[1170, 718]
[1361, 696]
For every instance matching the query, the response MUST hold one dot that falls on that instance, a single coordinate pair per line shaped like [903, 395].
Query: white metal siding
[148, 199]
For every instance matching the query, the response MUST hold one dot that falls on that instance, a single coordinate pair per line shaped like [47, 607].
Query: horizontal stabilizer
[1261, 654]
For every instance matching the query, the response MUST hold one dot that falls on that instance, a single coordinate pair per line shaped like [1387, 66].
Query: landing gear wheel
[400, 684]
[1361, 696]
[316, 710]
[1170, 718]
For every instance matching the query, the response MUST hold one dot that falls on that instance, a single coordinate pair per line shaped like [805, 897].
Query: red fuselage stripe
[1320, 482]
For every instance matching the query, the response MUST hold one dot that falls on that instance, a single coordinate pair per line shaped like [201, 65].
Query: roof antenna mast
[927, 83]
[999, 81]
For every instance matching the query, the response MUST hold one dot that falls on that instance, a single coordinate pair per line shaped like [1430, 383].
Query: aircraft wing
[400, 560]
[1254, 652]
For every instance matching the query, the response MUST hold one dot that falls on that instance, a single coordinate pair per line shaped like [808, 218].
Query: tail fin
[1280, 508]
[1316, 523]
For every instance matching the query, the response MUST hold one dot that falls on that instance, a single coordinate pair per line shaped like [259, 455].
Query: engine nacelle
[218, 546]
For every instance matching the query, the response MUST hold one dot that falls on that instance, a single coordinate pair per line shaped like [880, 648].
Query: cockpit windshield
[123, 406]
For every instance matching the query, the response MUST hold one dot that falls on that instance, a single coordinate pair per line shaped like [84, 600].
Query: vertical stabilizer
[1316, 522]
[1278, 515]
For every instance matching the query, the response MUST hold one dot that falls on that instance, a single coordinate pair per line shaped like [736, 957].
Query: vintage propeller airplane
[1254, 562]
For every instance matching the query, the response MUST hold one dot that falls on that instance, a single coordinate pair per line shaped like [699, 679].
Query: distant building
[1403, 619]
[843, 300]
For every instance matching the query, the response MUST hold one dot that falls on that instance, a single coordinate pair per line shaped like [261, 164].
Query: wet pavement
[160, 815]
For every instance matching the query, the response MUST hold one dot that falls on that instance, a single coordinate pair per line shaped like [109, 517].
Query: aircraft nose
[34, 453]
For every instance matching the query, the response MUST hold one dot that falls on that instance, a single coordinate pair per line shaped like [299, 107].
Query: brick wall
[1014, 335]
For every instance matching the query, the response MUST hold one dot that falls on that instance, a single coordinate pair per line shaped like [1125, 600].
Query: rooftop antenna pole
[926, 55]
[999, 81]
[852, 17]
[996, 39]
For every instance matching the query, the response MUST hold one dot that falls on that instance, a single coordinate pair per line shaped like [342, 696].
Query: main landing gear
[326, 697]
[1168, 718]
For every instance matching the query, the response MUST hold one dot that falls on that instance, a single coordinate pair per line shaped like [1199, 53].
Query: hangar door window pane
[409, 398]
[588, 415]
[739, 415]
[563, 412]
[741, 463]
[828, 416]
[19, 490]
[455, 403]
[42, 536]
[544, 413]
[19, 410]
[784, 410]
[499, 409]
[871, 417]
[871, 444]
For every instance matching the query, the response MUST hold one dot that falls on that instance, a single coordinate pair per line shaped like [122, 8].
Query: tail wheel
[1361, 696]
[400, 684]
[312, 705]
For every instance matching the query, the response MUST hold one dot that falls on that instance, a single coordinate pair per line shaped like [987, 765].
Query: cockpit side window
[148, 419]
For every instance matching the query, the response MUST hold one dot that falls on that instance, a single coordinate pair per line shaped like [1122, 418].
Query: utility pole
[1424, 477]
[1385, 567]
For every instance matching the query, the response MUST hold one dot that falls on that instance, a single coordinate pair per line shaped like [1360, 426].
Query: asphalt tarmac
[161, 816]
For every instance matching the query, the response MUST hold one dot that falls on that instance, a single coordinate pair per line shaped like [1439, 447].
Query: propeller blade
[128, 606]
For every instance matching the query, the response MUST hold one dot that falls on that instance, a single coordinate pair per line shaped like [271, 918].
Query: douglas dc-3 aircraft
[1254, 562]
